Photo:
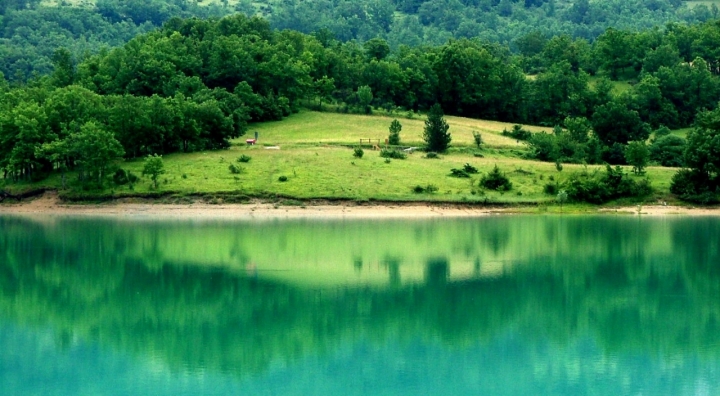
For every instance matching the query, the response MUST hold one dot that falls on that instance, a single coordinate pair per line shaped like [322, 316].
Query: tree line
[194, 84]
[31, 30]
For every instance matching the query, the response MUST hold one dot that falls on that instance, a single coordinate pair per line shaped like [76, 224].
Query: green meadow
[314, 151]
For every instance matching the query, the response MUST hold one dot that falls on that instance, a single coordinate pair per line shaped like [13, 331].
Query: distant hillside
[31, 30]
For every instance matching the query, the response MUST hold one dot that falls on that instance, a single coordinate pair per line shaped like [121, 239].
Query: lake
[497, 305]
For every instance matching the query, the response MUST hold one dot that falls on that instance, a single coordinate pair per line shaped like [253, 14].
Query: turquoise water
[509, 305]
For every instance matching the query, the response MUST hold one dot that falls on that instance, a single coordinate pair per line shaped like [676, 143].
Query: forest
[197, 83]
[31, 30]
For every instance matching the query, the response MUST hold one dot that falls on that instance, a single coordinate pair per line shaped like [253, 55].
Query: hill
[314, 151]
[31, 30]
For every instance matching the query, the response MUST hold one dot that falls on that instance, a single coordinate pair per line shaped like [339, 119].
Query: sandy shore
[49, 204]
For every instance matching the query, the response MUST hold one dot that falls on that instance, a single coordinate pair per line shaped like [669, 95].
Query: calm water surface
[511, 305]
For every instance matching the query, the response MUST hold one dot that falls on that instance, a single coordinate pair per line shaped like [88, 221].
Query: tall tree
[436, 133]
[614, 123]
[97, 150]
[394, 137]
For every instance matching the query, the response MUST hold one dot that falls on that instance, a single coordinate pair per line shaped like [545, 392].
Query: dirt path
[50, 204]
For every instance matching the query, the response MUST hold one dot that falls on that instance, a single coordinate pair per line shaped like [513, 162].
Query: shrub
[477, 138]
[550, 188]
[154, 167]
[601, 187]
[432, 155]
[517, 133]
[235, 169]
[283, 178]
[394, 137]
[244, 158]
[668, 150]
[429, 189]
[454, 172]
[392, 153]
[358, 152]
[469, 168]
[478, 155]
[694, 186]
[120, 177]
[496, 180]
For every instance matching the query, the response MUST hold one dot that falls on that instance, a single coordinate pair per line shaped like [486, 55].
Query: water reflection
[237, 298]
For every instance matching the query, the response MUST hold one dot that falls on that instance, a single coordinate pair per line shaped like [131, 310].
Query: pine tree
[395, 128]
[436, 133]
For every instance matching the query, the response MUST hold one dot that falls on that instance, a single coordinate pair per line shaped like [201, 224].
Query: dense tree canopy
[195, 84]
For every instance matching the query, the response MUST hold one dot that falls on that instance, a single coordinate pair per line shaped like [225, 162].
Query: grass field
[316, 155]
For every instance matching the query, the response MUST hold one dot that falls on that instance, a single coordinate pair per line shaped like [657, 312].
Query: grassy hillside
[315, 152]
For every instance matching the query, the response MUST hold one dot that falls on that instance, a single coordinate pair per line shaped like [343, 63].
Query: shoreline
[49, 204]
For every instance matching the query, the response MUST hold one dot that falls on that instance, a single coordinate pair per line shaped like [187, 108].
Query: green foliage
[394, 137]
[600, 187]
[694, 186]
[154, 166]
[358, 152]
[470, 169]
[637, 154]
[700, 183]
[561, 197]
[432, 155]
[365, 97]
[244, 158]
[283, 178]
[436, 133]
[550, 188]
[392, 153]
[668, 150]
[455, 172]
[661, 132]
[122, 177]
[236, 169]
[477, 139]
[96, 151]
[496, 180]
[614, 123]
[578, 128]
[518, 133]
[428, 189]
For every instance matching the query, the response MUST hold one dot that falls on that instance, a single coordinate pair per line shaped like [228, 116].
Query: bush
[392, 153]
[235, 169]
[477, 138]
[496, 180]
[244, 158]
[432, 155]
[120, 177]
[454, 172]
[694, 186]
[550, 188]
[668, 150]
[600, 187]
[469, 168]
[429, 189]
[394, 137]
[358, 152]
[517, 133]
[283, 178]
